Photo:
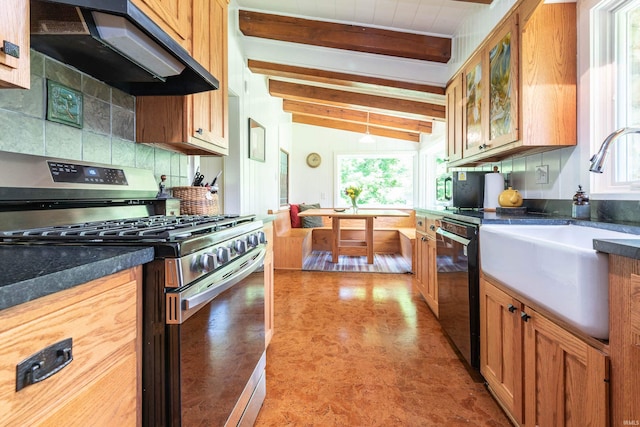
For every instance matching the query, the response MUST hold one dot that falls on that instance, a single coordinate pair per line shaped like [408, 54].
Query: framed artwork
[473, 94]
[256, 141]
[284, 178]
[64, 105]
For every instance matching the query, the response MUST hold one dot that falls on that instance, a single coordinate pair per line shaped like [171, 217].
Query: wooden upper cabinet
[501, 56]
[549, 74]
[454, 118]
[14, 29]
[474, 113]
[173, 16]
[195, 124]
[527, 90]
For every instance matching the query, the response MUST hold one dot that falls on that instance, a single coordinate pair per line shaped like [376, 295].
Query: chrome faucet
[597, 161]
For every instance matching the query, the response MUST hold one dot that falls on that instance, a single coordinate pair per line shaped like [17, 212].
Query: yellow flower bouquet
[352, 192]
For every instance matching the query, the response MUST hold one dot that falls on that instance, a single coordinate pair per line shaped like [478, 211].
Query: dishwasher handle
[453, 236]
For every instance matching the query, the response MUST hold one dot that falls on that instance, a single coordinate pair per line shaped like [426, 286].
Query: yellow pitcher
[510, 198]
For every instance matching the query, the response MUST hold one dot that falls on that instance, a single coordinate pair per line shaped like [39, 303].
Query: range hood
[113, 41]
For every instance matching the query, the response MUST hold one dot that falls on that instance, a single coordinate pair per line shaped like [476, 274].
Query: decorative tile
[64, 104]
[162, 162]
[37, 63]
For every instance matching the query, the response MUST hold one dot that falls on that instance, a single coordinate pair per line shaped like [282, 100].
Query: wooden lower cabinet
[542, 374]
[624, 340]
[268, 285]
[426, 270]
[101, 385]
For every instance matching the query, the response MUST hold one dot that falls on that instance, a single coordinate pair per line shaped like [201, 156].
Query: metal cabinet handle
[43, 364]
[199, 131]
[524, 316]
[432, 228]
[511, 308]
[10, 49]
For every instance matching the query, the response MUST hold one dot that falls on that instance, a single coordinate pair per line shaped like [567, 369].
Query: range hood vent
[113, 41]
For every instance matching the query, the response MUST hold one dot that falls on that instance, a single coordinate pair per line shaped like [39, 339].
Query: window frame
[338, 187]
[606, 97]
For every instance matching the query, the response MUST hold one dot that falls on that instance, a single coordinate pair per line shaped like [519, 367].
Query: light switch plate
[542, 174]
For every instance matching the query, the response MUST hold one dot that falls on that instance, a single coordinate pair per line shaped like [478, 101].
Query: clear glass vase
[354, 205]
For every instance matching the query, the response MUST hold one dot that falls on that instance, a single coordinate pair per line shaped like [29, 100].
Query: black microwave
[462, 189]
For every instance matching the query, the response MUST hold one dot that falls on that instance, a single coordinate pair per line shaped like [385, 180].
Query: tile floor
[354, 349]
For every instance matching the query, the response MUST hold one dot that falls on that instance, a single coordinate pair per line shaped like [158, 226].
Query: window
[386, 179]
[615, 49]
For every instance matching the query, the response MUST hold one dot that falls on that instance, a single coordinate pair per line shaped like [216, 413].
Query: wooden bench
[290, 245]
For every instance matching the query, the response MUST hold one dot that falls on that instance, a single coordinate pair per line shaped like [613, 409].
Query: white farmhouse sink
[554, 266]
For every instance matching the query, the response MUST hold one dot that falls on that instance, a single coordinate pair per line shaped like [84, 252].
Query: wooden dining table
[353, 247]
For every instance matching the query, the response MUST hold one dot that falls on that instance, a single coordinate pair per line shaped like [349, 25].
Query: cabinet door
[501, 347]
[566, 380]
[454, 119]
[210, 109]
[421, 264]
[474, 122]
[502, 78]
[432, 276]
[173, 16]
[14, 28]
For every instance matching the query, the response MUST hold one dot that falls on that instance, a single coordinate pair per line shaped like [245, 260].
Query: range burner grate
[157, 228]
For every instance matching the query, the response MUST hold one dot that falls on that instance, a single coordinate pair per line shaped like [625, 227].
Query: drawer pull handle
[10, 49]
[524, 316]
[512, 308]
[43, 364]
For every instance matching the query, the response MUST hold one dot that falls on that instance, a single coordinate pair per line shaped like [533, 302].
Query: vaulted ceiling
[355, 65]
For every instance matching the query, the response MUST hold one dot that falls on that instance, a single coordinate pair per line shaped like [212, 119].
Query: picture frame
[64, 104]
[256, 141]
[284, 178]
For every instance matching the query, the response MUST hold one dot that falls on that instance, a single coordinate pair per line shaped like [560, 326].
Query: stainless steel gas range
[203, 358]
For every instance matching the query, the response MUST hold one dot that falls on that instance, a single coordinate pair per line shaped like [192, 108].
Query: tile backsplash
[108, 133]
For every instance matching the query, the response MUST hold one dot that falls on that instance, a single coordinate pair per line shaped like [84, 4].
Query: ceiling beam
[343, 36]
[321, 95]
[356, 116]
[355, 127]
[335, 78]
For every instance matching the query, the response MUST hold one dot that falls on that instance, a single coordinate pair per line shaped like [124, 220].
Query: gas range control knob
[253, 240]
[240, 246]
[208, 262]
[223, 255]
[262, 238]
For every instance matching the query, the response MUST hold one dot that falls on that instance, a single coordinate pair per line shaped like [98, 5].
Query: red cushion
[296, 221]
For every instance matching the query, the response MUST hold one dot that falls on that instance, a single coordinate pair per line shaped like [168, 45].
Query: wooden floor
[363, 349]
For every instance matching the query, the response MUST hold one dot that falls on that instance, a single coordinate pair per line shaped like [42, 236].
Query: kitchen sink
[554, 266]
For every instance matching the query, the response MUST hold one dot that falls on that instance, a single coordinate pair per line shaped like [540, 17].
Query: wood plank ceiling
[350, 101]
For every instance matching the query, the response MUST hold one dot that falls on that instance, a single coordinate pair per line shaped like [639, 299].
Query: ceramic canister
[493, 186]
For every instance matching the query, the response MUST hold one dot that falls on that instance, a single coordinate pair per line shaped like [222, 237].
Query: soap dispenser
[581, 208]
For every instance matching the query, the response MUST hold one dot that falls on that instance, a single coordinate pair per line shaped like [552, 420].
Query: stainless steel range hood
[113, 41]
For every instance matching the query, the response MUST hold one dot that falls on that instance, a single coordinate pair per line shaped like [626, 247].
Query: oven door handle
[452, 236]
[185, 303]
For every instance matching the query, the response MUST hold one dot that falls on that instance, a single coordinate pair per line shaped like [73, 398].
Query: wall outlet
[542, 174]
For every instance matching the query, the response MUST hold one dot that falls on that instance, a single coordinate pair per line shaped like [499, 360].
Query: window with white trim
[615, 89]
[386, 179]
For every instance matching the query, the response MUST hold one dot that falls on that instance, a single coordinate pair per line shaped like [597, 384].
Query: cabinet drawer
[421, 223]
[101, 319]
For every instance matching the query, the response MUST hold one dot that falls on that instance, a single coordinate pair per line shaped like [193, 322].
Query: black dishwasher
[458, 273]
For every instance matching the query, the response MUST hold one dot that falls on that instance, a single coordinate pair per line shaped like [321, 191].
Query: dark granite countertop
[628, 248]
[30, 272]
